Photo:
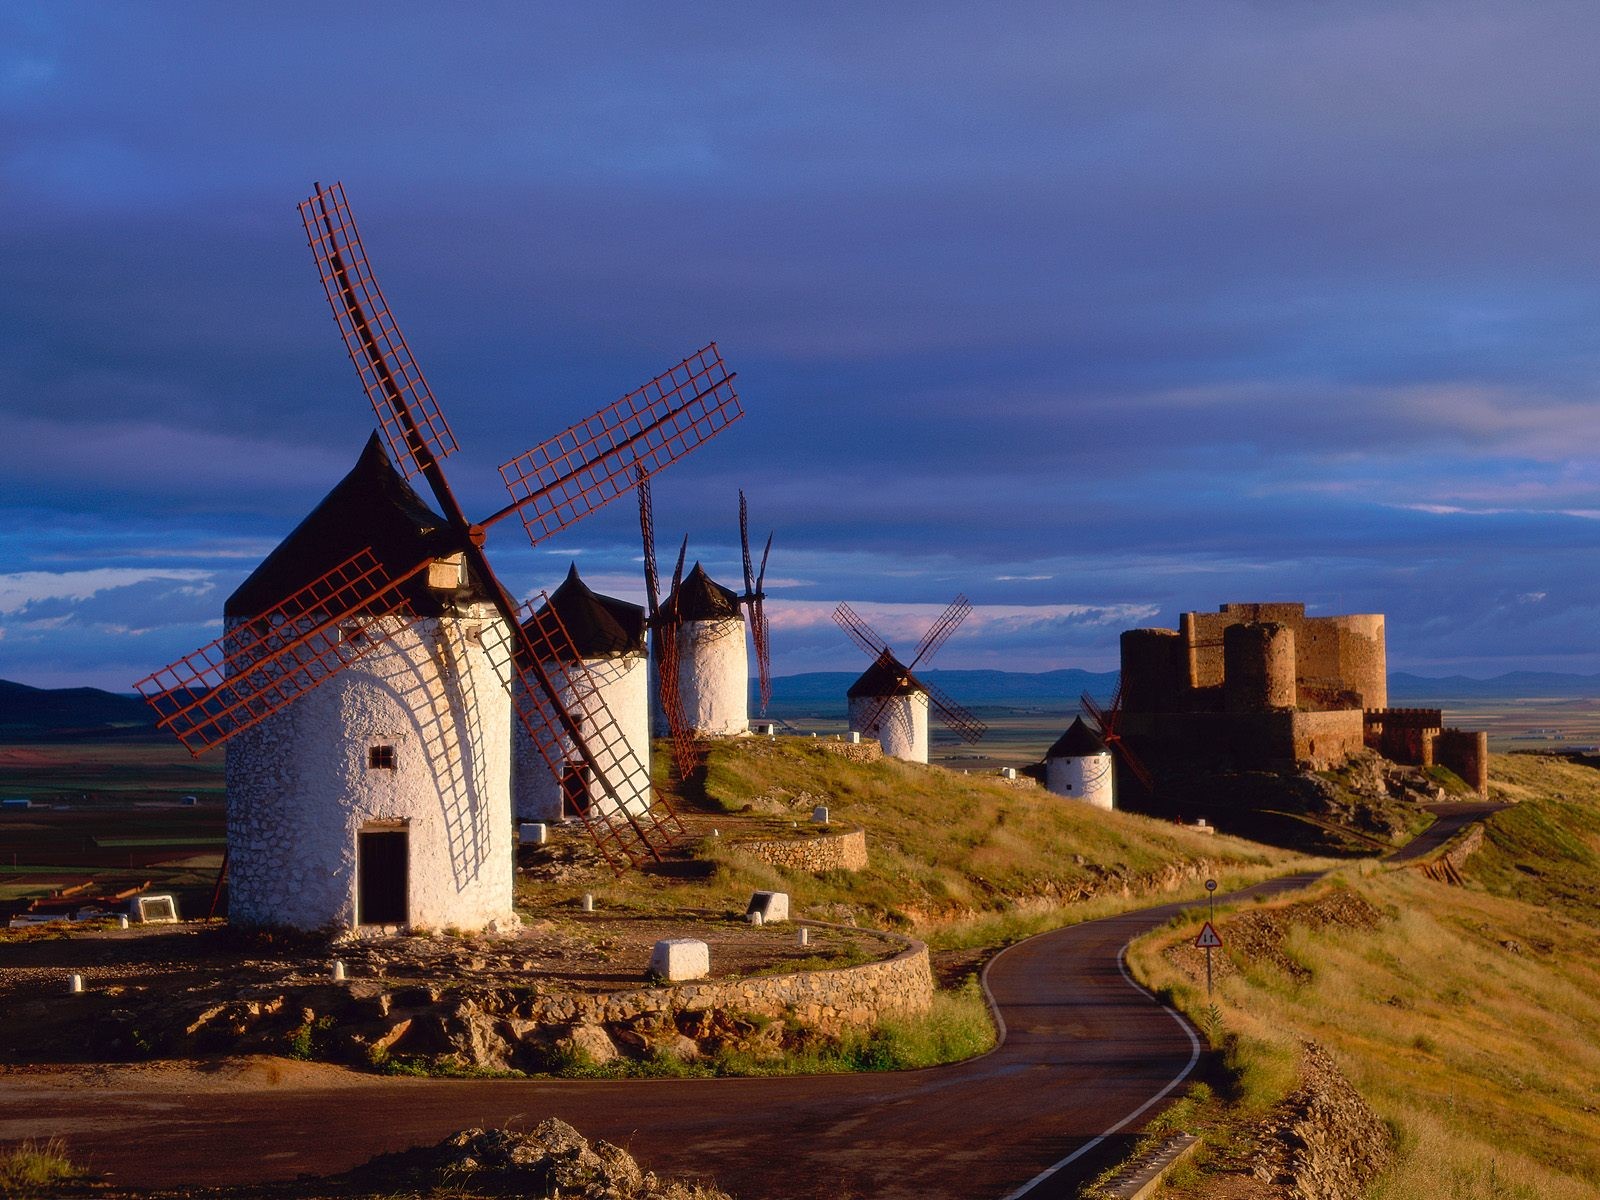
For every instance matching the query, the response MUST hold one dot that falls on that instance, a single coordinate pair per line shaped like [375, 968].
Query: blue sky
[1096, 312]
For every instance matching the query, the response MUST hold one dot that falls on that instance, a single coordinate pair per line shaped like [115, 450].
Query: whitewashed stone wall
[1089, 779]
[300, 787]
[902, 729]
[713, 678]
[623, 685]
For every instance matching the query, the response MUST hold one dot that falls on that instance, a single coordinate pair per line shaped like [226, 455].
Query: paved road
[1086, 1054]
[1452, 817]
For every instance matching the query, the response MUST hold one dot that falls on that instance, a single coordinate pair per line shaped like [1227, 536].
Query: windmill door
[382, 865]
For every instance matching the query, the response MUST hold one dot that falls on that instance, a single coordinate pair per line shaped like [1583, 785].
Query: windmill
[754, 599]
[687, 746]
[1107, 723]
[885, 702]
[262, 665]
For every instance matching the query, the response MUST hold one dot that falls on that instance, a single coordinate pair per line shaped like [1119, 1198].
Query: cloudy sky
[1095, 312]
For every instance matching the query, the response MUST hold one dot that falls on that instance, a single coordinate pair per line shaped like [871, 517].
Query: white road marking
[1194, 1057]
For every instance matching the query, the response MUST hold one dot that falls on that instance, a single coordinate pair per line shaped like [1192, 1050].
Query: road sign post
[1208, 941]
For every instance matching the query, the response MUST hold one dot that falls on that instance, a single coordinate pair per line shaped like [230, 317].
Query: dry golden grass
[1469, 1019]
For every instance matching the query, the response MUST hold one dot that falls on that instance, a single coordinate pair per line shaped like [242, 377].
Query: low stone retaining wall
[866, 750]
[831, 1001]
[494, 1026]
[1446, 868]
[829, 852]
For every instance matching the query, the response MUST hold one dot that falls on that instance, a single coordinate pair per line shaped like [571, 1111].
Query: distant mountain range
[30, 713]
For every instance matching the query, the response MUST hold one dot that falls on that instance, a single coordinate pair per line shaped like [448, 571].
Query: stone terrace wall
[831, 852]
[866, 750]
[832, 1001]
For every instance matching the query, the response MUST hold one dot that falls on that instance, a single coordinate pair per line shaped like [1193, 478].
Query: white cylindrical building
[713, 663]
[382, 798]
[885, 703]
[608, 635]
[1079, 766]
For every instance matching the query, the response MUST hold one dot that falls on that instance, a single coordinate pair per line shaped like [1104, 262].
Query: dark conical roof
[702, 598]
[885, 677]
[373, 507]
[1079, 741]
[600, 626]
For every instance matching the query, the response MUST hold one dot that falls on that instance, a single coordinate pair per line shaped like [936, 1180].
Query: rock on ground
[1323, 1142]
[554, 1160]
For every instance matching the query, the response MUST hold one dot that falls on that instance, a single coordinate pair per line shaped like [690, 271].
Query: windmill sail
[567, 477]
[400, 397]
[262, 665]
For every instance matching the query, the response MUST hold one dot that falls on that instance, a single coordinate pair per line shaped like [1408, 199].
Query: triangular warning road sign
[1208, 939]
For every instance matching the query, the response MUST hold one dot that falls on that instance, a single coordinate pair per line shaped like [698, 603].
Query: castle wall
[901, 728]
[301, 785]
[622, 684]
[1467, 754]
[1089, 779]
[1258, 666]
[1154, 670]
[1342, 662]
[1317, 741]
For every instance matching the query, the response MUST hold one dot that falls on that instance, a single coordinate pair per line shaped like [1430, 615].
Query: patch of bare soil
[1258, 936]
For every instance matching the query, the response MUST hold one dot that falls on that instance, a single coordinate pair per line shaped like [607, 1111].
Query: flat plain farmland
[1565, 723]
[111, 816]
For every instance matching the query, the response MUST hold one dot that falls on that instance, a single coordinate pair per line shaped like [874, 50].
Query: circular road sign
[1211, 885]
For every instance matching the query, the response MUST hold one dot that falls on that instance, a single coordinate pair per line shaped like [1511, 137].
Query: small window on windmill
[380, 757]
[447, 574]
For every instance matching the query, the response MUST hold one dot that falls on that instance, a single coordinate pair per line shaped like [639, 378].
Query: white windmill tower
[891, 704]
[370, 667]
[608, 645]
[1079, 767]
[382, 797]
[706, 621]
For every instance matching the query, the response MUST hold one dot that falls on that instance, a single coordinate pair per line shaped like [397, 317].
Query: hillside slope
[960, 860]
[1467, 1016]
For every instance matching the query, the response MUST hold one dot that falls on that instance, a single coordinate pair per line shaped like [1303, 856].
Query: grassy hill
[959, 860]
[1467, 1017]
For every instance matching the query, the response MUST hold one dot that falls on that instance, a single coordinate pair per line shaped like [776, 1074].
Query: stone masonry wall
[831, 852]
[848, 997]
[863, 751]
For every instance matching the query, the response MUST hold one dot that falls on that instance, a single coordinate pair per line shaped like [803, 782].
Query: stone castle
[1263, 686]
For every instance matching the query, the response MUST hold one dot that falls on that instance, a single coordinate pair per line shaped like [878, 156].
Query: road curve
[1084, 1048]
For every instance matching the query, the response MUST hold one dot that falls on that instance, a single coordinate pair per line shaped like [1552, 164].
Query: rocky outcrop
[493, 1026]
[830, 852]
[1323, 1141]
[554, 1160]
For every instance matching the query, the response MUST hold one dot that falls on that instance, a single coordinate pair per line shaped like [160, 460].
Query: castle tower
[382, 798]
[713, 664]
[608, 635]
[901, 708]
[1258, 667]
[1079, 767]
